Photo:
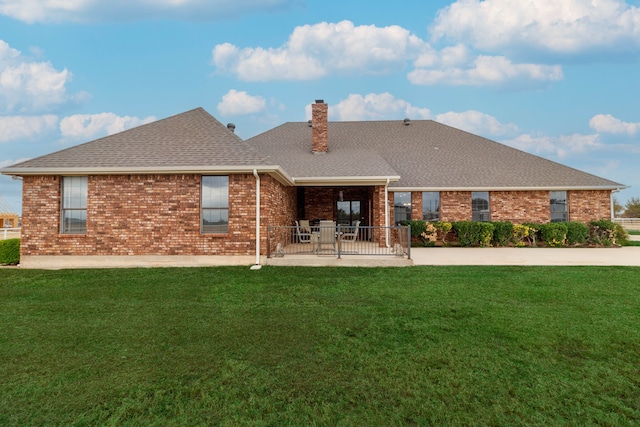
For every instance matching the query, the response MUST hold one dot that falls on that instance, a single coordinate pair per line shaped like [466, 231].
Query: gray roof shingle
[422, 155]
[191, 139]
[425, 154]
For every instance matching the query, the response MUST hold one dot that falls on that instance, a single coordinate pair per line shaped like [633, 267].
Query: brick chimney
[319, 127]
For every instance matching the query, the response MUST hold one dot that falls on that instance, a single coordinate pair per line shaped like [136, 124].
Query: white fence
[628, 223]
[9, 233]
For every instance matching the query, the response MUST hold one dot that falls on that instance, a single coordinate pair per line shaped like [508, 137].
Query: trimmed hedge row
[503, 233]
[10, 252]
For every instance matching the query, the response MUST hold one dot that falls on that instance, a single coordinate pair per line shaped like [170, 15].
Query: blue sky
[558, 79]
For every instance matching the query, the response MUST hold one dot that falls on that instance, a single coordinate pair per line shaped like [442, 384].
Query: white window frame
[400, 197]
[73, 205]
[431, 214]
[214, 204]
[556, 212]
[480, 215]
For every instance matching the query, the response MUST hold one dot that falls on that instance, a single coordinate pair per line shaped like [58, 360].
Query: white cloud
[314, 51]
[606, 123]
[30, 86]
[558, 26]
[240, 102]
[560, 146]
[477, 123]
[458, 70]
[24, 127]
[91, 126]
[9, 162]
[126, 10]
[374, 106]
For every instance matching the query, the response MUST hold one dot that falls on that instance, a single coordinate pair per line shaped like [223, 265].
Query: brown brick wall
[589, 205]
[320, 127]
[455, 206]
[520, 206]
[150, 215]
[524, 206]
[319, 202]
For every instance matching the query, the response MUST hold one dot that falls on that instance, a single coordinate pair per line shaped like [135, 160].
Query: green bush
[621, 235]
[533, 235]
[553, 234]
[520, 233]
[577, 233]
[474, 233]
[10, 252]
[443, 228]
[502, 233]
[417, 227]
[602, 232]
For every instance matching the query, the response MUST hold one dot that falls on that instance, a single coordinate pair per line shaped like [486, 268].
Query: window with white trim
[480, 206]
[431, 206]
[74, 205]
[214, 205]
[558, 206]
[401, 206]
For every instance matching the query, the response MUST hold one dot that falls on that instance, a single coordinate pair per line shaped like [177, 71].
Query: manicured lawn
[321, 346]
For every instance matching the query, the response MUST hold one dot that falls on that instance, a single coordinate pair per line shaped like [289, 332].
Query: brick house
[186, 189]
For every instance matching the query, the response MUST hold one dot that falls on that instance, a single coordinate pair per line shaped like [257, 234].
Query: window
[480, 206]
[431, 206]
[558, 201]
[74, 205]
[215, 204]
[401, 206]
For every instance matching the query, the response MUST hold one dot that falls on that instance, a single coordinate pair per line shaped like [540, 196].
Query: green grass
[321, 346]
[634, 232]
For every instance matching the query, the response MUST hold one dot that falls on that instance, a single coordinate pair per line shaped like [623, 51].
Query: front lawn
[321, 346]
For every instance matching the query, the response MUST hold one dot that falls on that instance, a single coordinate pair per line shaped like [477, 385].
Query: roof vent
[319, 101]
[406, 122]
[231, 127]
[310, 123]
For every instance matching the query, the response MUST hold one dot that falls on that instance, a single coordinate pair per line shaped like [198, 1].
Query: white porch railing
[9, 233]
[628, 223]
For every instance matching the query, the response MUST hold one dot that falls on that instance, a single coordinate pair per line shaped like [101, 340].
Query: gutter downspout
[613, 209]
[257, 265]
[386, 211]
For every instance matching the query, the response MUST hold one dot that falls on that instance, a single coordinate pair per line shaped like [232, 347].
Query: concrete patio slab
[617, 256]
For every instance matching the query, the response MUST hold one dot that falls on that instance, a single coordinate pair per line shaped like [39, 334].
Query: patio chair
[304, 226]
[351, 236]
[304, 235]
[327, 235]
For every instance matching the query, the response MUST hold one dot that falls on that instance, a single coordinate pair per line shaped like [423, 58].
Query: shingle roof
[191, 139]
[425, 154]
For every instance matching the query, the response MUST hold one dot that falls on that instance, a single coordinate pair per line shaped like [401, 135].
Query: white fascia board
[550, 188]
[276, 171]
[344, 180]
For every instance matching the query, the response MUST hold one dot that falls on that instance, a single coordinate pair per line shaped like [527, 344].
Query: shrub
[520, 233]
[534, 233]
[10, 252]
[474, 233]
[577, 233]
[417, 227]
[553, 234]
[621, 235]
[429, 235]
[502, 233]
[443, 228]
[602, 232]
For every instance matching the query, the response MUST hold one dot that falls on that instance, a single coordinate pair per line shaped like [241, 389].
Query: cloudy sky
[558, 79]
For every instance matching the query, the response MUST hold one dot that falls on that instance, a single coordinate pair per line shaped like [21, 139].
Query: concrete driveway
[618, 256]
